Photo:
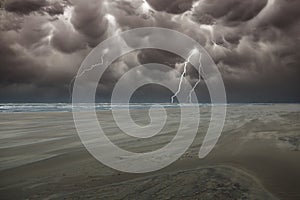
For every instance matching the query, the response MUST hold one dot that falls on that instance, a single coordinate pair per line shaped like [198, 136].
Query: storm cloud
[255, 44]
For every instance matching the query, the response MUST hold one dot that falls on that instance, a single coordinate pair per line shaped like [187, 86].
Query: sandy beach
[257, 157]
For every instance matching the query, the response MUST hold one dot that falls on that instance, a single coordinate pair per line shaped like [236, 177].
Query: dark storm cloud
[230, 10]
[263, 55]
[42, 6]
[30, 66]
[255, 44]
[55, 9]
[25, 6]
[14, 68]
[70, 44]
[88, 19]
[283, 15]
[17, 64]
[171, 6]
[159, 56]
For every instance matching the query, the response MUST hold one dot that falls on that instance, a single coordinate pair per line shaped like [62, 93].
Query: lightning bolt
[199, 79]
[183, 74]
[90, 68]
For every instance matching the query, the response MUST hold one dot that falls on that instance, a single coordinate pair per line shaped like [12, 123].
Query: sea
[67, 107]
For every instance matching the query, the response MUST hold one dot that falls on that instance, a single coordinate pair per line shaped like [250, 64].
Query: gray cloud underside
[255, 44]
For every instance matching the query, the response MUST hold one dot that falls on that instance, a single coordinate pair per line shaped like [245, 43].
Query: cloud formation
[255, 44]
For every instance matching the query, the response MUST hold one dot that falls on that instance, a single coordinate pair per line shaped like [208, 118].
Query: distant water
[67, 107]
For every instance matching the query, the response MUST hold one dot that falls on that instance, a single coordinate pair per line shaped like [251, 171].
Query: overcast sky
[254, 43]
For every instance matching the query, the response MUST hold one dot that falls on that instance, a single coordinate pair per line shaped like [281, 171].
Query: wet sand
[257, 157]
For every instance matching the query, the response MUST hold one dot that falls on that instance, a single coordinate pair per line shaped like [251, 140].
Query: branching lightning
[183, 74]
[199, 78]
[90, 68]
